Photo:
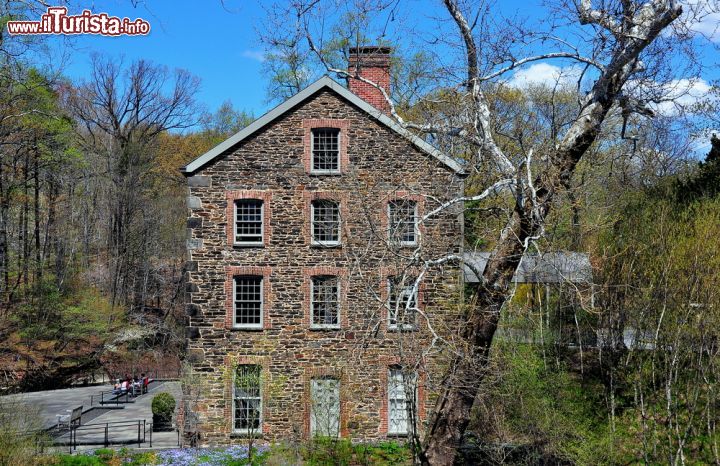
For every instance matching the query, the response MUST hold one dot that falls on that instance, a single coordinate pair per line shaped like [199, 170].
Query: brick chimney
[373, 64]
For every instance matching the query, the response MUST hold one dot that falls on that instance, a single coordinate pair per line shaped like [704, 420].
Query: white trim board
[324, 82]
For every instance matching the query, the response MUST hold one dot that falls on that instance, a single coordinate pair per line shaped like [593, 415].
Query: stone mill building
[311, 307]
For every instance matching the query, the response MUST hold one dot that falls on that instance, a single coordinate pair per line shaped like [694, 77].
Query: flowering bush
[229, 456]
[317, 452]
[233, 455]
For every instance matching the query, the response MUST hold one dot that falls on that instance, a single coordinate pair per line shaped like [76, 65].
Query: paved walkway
[125, 425]
[46, 405]
[122, 421]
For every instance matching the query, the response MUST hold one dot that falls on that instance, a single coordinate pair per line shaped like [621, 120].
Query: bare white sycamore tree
[625, 59]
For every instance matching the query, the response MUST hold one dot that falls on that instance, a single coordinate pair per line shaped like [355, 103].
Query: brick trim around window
[337, 196]
[309, 124]
[235, 360]
[385, 274]
[230, 273]
[326, 371]
[402, 195]
[231, 197]
[386, 364]
[339, 272]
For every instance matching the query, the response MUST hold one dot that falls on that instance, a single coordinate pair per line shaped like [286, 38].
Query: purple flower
[205, 456]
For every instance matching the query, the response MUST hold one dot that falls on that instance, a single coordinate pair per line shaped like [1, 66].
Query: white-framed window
[249, 225]
[325, 222]
[402, 215]
[402, 303]
[248, 301]
[401, 397]
[325, 302]
[325, 407]
[325, 151]
[247, 399]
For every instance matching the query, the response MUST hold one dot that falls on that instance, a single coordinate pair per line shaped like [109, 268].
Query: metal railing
[107, 434]
[156, 373]
[110, 397]
[102, 377]
[106, 397]
[106, 430]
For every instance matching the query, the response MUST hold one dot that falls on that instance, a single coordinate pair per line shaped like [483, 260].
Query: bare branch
[481, 121]
[545, 56]
[590, 16]
[496, 188]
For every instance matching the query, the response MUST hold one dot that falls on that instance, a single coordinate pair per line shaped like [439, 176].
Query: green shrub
[391, 453]
[325, 450]
[542, 411]
[79, 460]
[163, 405]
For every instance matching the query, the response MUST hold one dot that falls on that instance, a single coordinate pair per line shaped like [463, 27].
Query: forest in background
[648, 391]
[92, 219]
[92, 242]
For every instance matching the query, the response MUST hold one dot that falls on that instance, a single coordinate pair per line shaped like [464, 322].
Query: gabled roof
[292, 102]
[551, 267]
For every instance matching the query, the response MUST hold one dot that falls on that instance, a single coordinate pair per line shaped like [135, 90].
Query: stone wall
[379, 165]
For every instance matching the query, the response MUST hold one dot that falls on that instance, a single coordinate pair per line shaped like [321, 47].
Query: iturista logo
[57, 21]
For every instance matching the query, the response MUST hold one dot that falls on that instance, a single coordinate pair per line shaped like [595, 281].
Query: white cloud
[701, 17]
[709, 27]
[681, 95]
[257, 55]
[545, 74]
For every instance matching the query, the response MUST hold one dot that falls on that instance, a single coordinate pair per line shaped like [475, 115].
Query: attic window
[325, 151]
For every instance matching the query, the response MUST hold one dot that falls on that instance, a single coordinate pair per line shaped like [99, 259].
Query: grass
[315, 453]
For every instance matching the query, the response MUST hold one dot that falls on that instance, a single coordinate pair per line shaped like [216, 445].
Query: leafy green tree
[225, 122]
[706, 181]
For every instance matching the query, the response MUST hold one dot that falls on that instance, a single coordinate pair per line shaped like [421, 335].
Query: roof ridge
[325, 81]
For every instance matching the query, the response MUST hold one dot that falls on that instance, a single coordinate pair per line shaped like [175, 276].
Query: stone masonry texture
[378, 166]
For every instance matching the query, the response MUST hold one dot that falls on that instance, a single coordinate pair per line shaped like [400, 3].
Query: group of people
[134, 386]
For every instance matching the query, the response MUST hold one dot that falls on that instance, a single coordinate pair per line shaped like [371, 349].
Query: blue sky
[218, 42]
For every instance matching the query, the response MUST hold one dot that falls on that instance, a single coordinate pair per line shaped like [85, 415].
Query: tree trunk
[461, 385]
[467, 371]
[4, 259]
[36, 219]
[23, 260]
